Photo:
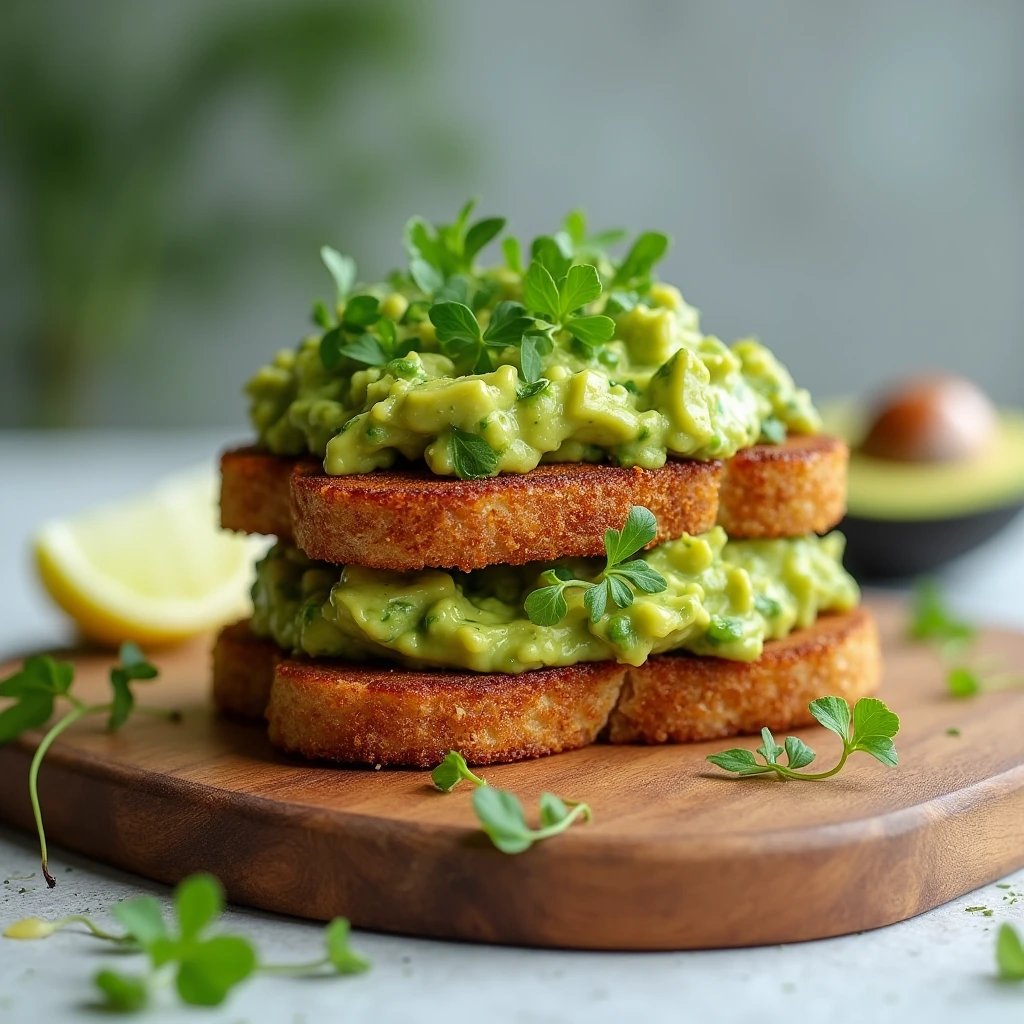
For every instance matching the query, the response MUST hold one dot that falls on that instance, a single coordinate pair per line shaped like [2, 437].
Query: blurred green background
[846, 181]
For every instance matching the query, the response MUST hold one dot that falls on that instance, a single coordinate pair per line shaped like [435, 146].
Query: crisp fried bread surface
[412, 519]
[349, 713]
[784, 490]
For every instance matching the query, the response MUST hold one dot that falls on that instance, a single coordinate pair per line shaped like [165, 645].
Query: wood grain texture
[678, 856]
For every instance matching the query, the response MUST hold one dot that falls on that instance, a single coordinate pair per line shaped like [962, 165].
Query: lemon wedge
[156, 568]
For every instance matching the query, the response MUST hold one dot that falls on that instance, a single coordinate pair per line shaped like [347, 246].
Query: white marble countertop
[939, 966]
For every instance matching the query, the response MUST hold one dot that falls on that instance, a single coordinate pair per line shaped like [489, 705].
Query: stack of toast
[402, 521]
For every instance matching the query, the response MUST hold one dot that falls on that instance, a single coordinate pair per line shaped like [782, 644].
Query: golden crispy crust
[682, 699]
[412, 519]
[784, 490]
[243, 671]
[350, 713]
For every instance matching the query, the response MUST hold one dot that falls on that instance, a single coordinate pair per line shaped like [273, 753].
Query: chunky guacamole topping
[573, 357]
[723, 598]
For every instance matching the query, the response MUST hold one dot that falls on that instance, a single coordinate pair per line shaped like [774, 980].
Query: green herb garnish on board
[452, 770]
[37, 687]
[204, 967]
[547, 606]
[1009, 954]
[870, 730]
[932, 619]
[502, 818]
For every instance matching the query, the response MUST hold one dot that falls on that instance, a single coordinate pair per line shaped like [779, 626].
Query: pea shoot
[871, 731]
[37, 686]
[618, 581]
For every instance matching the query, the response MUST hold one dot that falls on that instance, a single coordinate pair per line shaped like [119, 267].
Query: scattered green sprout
[452, 770]
[36, 688]
[502, 818]
[204, 967]
[547, 606]
[871, 730]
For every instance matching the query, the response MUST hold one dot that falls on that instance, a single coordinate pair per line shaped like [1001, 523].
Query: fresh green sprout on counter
[500, 812]
[203, 967]
[871, 730]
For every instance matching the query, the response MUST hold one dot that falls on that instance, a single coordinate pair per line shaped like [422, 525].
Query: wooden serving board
[678, 855]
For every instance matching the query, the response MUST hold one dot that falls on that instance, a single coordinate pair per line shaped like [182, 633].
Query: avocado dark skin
[939, 471]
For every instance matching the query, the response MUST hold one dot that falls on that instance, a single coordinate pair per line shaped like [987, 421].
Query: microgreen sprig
[36, 688]
[547, 606]
[871, 730]
[502, 818]
[464, 340]
[1009, 954]
[204, 967]
[452, 770]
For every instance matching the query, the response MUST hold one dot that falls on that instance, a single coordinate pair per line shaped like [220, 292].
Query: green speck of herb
[952, 732]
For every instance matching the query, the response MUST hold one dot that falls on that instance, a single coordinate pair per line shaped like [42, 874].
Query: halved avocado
[907, 518]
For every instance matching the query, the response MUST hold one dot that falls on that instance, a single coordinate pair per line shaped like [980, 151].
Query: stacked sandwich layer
[458, 565]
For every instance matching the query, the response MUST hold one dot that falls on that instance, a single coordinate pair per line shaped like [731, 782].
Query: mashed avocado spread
[567, 356]
[723, 598]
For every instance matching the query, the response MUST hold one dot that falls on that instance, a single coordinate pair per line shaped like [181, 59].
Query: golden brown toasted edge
[412, 519]
[354, 714]
[784, 490]
[243, 670]
[347, 713]
[683, 699]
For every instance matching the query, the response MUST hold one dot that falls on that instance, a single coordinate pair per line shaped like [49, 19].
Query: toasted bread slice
[409, 520]
[784, 490]
[372, 715]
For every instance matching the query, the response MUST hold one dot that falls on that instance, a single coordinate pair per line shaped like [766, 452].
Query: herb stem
[78, 712]
[294, 969]
[788, 773]
[93, 927]
[578, 811]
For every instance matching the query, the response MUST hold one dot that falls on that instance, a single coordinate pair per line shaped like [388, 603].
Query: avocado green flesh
[724, 598]
[659, 387]
[884, 489]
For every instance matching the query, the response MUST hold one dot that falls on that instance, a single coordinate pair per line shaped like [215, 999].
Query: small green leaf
[501, 816]
[529, 358]
[479, 235]
[425, 276]
[591, 329]
[123, 701]
[873, 721]
[553, 254]
[575, 225]
[320, 316]
[528, 389]
[880, 747]
[963, 682]
[451, 771]
[637, 532]
[642, 576]
[342, 269]
[212, 968]
[198, 901]
[540, 293]
[620, 593]
[513, 254]
[798, 754]
[361, 311]
[553, 810]
[769, 749]
[546, 606]
[142, 918]
[454, 320]
[121, 992]
[343, 957]
[647, 250]
[508, 324]
[455, 289]
[596, 600]
[1009, 954]
[134, 662]
[834, 714]
[581, 286]
[738, 760]
[366, 349]
[31, 711]
[472, 457]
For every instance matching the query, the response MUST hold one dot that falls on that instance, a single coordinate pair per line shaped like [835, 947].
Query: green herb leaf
[769, 749]
[932, 619]
[480, 234]
[361, 311]
[640, 528]
[508, 324]
[591, 329]
[874, 725]
[738, 760]
[546, 606]
[454, 320]
[540, 293]
[596, 601]
[798, 754]
[528, 389]
[342, 956]
[501, 816]
[425, 276]
[1009, 954]
[210, 969]
[529, 358]
[141, 918]
[121, 992]
[642, 576]
[962, 681]
[35, 687]
[553, 254]
[342, 269]
[620, 593]
[513, 254]
[834, 714]
[320, 316]
[581, 286]
[198, 901]
[472, 457]
[636, 268]
[553, 810]
[366, 349]
[451, 771]
[133, 668]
